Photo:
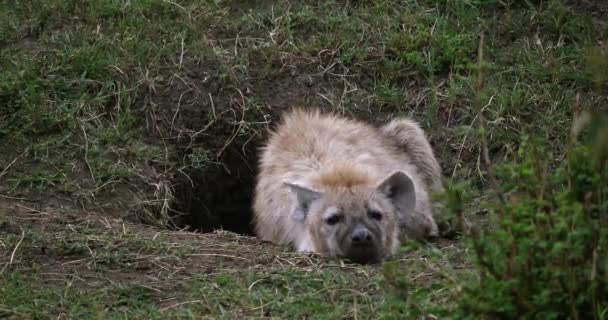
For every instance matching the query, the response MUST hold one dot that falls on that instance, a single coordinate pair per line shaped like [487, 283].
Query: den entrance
[218, 198]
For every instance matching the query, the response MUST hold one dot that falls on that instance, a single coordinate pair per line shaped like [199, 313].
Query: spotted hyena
[343, 188]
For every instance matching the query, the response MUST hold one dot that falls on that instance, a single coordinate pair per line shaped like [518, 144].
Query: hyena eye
[377, 215]
[333, 219]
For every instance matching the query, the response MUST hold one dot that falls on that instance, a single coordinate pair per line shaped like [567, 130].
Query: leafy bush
[545, 255]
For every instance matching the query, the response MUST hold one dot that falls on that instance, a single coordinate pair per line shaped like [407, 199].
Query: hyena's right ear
[304, 197]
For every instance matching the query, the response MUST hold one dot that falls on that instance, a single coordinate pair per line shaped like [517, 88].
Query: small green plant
[40, 179]
[545, 255]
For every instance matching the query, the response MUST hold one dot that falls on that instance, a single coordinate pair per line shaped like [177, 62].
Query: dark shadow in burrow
[219, 197]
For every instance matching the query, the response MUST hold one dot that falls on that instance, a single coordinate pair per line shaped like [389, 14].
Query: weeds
[543, 257]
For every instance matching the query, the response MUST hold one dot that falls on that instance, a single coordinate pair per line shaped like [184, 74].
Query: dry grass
[92, 255]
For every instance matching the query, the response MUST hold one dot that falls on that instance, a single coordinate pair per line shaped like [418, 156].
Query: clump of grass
[545, 252]
[545, 255]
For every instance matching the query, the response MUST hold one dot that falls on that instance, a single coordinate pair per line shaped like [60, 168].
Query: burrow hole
[219, 197]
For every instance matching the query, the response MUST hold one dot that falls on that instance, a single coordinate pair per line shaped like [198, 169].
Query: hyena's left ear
[304, 197]
[399, 188]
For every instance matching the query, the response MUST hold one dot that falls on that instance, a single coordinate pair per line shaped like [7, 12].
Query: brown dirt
[67, 246]
[49, 232]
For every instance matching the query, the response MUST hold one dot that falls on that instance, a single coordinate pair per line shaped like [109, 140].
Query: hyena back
[343, 188]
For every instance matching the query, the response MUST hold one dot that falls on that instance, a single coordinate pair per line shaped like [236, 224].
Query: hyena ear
[399, 188]
[304, 197]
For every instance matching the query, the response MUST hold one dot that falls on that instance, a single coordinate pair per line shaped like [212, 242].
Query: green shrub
[545, 254]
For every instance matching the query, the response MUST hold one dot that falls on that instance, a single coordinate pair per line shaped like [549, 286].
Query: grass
[63, 263]
[152, 108]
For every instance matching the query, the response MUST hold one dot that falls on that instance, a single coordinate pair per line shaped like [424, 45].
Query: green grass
[136, 108]
[88, 82]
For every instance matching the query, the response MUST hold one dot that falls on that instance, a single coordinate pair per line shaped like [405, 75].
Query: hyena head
[355, 221]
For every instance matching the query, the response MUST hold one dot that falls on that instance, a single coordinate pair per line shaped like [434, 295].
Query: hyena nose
[362, 237]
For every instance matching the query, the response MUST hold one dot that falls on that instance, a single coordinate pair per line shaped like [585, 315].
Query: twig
[238, 129]
[179, 304]
[11, 311]
[86, 153]
[33, 210]
[12, 162]
[10, 262]
[181, 56]
[17, 246]
[482, 121]
[212, 107]
[466, 136]
[217, 255]
[16, 198]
